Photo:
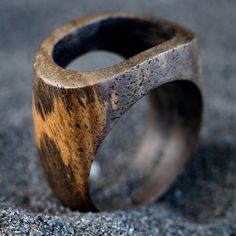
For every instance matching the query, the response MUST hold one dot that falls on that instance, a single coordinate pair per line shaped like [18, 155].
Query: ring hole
[95, 60]
[124, 36]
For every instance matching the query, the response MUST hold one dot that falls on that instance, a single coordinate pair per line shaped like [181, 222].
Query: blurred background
[203, 199]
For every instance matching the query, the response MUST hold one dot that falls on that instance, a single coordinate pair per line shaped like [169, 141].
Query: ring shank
[74, 111]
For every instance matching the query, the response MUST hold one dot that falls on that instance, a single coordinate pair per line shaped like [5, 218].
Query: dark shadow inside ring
[174, 113]
[124, 36]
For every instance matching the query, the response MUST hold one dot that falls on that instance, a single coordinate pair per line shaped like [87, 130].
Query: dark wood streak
[74, 111]
[54, 168]
[43, 104]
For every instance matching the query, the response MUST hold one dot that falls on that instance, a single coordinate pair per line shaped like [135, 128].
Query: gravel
[203, 199]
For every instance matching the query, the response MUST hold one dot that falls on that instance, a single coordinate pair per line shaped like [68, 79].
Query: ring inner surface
[171, 130]
[174, 112]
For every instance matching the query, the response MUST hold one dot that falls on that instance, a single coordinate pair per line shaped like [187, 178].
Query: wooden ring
[74, 111]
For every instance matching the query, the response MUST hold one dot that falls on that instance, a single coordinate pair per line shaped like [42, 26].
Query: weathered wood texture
[74, 111]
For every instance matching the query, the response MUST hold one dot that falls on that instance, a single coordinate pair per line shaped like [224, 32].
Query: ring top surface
[136, 38]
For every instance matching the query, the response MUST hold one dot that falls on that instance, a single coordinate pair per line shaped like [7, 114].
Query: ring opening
[124, 36]
[95, 60]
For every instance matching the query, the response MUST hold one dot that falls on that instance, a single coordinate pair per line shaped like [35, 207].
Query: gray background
[201, 202]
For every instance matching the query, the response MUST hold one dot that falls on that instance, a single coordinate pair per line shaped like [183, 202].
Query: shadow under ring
[74, 111]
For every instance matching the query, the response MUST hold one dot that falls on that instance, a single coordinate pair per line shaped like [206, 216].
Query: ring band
[74, 111]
